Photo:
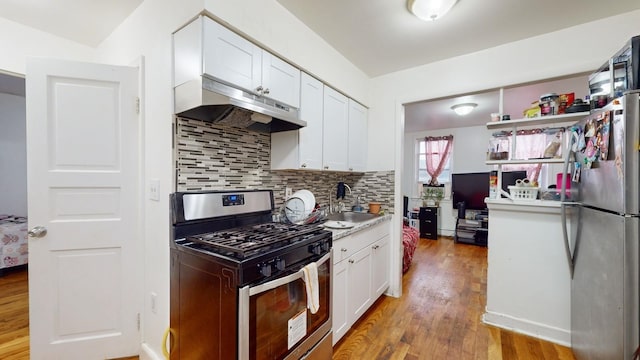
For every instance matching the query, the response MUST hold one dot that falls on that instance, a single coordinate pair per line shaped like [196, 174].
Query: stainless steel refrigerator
[602, 215]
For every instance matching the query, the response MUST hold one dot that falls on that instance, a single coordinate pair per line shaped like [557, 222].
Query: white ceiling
[84, 21]
[382, 36]
[378, 36]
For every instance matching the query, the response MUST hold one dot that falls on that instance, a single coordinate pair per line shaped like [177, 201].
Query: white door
[83, 161]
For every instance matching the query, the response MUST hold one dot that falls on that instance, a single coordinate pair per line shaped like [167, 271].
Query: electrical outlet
[287, 192]
[154, 189]
[154, 303]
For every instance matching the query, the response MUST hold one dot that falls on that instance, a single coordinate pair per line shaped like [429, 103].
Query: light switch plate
[154, 189]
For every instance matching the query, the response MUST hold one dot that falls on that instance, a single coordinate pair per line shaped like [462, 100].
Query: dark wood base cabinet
[428, 217]
[203, 322]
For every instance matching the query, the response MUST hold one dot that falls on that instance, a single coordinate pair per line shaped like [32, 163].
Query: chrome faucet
[340, 206]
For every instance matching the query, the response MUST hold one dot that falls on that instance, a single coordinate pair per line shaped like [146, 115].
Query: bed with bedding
[13, 241]
[410, 237]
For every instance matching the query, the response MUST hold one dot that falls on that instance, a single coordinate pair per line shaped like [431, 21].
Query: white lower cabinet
[340, 315]
[360, 275]
[380, 266]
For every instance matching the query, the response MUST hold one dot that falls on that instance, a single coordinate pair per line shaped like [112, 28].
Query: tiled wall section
[213, 157]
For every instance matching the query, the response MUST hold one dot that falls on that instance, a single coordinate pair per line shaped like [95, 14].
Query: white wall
[13, 155]
[147, 32]
[541, 57]
[17, 42]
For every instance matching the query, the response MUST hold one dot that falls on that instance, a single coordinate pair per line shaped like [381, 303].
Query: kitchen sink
[350, 216]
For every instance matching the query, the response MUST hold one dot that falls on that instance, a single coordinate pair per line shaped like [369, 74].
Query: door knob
[38, 232]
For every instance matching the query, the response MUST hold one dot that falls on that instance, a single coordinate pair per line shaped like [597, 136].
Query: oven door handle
[283, 280]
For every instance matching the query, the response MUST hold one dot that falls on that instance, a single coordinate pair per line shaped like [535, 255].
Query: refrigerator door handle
[565, 234]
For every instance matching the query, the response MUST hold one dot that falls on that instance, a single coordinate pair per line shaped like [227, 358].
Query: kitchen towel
[341, 191]
[310, 278]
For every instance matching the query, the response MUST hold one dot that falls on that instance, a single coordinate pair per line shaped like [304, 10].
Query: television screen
[470, 188]
[509, 178]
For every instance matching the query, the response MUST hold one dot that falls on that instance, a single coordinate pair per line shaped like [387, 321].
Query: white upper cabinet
[302, 149]
[230, 57]
[280, 80]
[311, 99]
[357, 154]
[206, 47]
[335, 130]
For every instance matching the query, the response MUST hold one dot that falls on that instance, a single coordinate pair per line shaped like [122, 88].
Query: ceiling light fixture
[464, 109]
[430, 9]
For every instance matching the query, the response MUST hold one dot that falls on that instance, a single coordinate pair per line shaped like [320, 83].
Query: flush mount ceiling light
[430, 9]
[463, 109]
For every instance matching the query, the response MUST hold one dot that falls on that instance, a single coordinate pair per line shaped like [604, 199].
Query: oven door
[273, 320]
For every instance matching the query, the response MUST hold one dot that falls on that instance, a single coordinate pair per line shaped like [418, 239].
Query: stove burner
[249, 240]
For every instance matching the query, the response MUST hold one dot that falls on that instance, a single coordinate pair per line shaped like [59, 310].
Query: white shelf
[557, 120]
[529, 161]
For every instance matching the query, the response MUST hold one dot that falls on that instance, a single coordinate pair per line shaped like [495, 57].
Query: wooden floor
[439, 315]
[14, 315]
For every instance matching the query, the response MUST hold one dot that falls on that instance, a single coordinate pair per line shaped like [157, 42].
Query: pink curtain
[530, 144]
[437, 152]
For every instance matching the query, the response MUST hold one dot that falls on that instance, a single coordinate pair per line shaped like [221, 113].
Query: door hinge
[138, 320]
[138, 105]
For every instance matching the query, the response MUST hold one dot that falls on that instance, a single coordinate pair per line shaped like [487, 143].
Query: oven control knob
[265, 270]
[316, 249]
[325, 246]
[280, 264]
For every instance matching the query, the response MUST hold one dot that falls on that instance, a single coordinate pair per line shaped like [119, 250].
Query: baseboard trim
[148, 354]
[530, 328]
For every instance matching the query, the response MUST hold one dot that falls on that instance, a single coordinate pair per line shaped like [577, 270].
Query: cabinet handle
[351, 261]
[303, 165]
[350, 169]
[326, 167]
[265, 91]
[260, 89]
[343, 250]
[376, 247]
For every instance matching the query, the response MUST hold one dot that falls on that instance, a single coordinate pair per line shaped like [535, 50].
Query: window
[533, 144]
[423, 176]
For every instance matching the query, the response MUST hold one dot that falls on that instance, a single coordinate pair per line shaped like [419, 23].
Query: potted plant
[431, 195]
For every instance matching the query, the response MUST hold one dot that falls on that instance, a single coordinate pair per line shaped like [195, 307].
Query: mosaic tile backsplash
[215, 157]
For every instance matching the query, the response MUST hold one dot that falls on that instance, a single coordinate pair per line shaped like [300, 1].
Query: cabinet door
[335, 130]
[230, 57]
[311, 99]
[357, 159]
[280, 80]
[359, 274]
[339, 315]
[429, 222]
[380, 266]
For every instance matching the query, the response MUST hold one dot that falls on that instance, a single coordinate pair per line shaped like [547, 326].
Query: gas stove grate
[250, 240]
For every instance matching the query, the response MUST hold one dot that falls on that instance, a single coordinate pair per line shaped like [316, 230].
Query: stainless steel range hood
[210, 100]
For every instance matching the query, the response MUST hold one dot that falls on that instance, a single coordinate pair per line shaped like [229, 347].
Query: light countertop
[340, 233]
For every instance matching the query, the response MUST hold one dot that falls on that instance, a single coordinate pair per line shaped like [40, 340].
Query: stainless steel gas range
[237, 287]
